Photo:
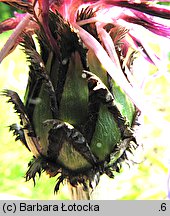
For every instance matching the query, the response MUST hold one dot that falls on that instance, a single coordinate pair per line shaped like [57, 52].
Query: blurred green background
[145, 179]
[6, 11]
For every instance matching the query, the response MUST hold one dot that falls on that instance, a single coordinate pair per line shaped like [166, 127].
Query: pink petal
[13, 38]
[11, 23]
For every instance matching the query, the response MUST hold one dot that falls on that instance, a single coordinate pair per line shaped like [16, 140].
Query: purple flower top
[136, 18]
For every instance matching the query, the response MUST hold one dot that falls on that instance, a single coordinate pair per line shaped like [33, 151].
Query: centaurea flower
[111, 32]
[130, 14]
